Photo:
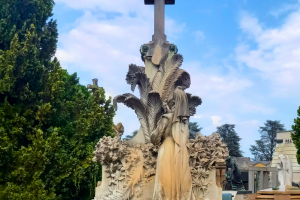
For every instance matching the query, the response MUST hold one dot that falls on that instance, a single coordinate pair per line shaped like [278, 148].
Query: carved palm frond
[182, 78]
[159, 74]
[167, 82]
[154, 110]
[136, 104]
[136, 76]
[131, 78]
[120, 99]
[157, 79]
[144, 86]
[136, 176]
[194, 101]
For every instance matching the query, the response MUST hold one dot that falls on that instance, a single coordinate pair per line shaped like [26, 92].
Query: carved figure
[233, 176]
[173, 177]
[285, 170]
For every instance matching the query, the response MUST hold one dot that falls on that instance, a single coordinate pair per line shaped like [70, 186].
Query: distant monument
[286, 147]
[160, 163]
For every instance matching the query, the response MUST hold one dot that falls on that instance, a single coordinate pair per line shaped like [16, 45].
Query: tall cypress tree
[264, 148]
[231, 138]
[49, 123]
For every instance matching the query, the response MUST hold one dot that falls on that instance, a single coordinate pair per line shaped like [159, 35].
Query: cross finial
[159, 17]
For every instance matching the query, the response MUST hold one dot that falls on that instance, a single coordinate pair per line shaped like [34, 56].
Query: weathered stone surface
[129, 169]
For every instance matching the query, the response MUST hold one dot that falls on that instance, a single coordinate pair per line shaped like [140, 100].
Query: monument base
[285, 192]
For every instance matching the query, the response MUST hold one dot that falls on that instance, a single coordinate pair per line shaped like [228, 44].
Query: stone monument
[285, 170]
[160, 162]
[286, 147]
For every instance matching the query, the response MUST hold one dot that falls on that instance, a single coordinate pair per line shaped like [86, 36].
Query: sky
[243, 55]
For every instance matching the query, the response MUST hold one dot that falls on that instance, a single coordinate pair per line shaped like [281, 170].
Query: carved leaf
[154, 110]
[194, 101]
[182, 78]
[144, 86]
[131, 78]
[135, 103]
[136, 174]
[167, 83]
[120, 99]
[159, 74]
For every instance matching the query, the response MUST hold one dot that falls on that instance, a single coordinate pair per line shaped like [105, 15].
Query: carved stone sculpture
[129, 171]
[285, 170]
[173, 177]
[160, 162]
[233, 176]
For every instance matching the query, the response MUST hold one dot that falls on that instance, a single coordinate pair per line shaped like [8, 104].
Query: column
[271, 180]
[261, 180]
[275, 179]
[266, 180]
[159, 20]
[251, 180]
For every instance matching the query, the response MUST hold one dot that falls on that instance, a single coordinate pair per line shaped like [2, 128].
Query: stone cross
[159, 17]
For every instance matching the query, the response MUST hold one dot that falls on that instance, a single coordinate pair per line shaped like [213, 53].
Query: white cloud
[285, 8]
[214, 84]
[119, 6]
[197, 116]
[199, 36]
[216, 120]
[277, 55]
[104, 47]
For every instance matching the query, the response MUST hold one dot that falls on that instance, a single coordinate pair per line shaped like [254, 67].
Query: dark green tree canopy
[194, 128]
[264, 148]
[231, 138]
[296, 134]
[49, 123]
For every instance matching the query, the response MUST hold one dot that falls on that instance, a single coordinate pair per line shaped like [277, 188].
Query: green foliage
[231, 138]
[128, 137]
[194, 128]
[296, 135]
[49, 123]
[264, 148]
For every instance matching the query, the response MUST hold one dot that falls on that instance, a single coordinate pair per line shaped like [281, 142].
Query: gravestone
[160, 163]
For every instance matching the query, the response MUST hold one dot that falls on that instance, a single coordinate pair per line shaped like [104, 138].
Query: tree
[296, 135]
[231, 138]
[128, 137]
[264, 148]
[49, 123]
[194, 128]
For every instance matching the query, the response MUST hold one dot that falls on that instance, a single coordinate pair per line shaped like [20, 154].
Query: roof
[284, 131]
[262, 162]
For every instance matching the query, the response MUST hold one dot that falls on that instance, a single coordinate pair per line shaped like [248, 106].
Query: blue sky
[243, 55]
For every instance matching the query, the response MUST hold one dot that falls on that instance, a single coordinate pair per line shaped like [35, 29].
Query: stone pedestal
[285, 192]
[220, 174]
[214, 191]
